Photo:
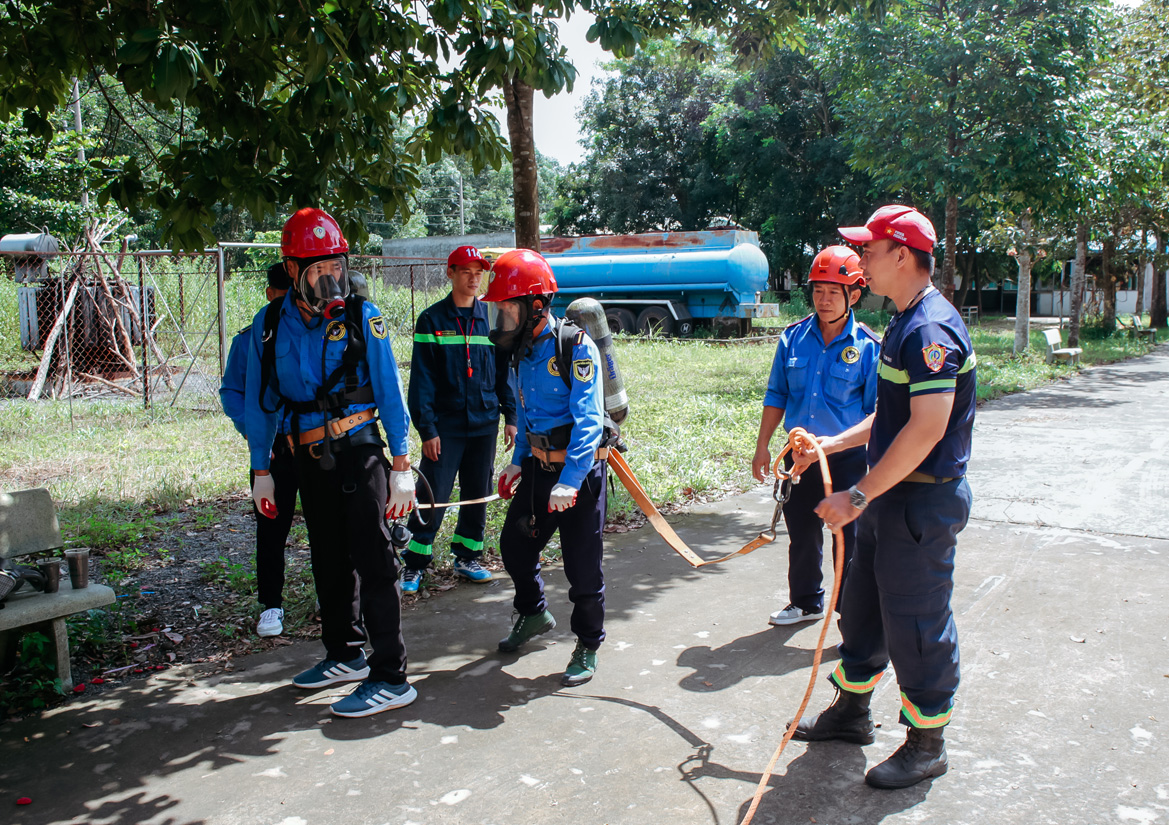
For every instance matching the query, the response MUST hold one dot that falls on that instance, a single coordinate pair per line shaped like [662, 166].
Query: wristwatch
[857, 499]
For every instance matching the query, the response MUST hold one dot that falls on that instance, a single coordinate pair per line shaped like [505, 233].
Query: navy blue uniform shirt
[926, 349]
[442, 397]
[824, 388]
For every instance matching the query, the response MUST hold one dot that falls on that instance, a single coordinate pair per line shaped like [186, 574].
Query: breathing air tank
[589, 315]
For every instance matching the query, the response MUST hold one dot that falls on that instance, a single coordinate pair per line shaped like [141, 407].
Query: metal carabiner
[781, 492]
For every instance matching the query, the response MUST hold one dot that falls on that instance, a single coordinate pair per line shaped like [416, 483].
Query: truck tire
[620, 320]
[655, 321]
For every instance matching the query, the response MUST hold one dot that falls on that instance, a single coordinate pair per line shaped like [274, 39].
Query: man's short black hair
[278, 277]
[923, 259]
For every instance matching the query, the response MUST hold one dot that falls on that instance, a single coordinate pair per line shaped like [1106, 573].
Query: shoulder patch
[377, 325]
[865, 329]
[935, 357]
[582, 370]
[797, 323]
[335, 331]
[553, 367]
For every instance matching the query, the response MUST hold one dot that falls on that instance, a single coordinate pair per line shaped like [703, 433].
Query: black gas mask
[322, 285]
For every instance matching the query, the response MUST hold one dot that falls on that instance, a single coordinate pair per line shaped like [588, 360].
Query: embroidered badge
[850, 355]
[583, 370]
[335, 331]
[378, 327]
[935, 357]
[319, 231]
[553, 367]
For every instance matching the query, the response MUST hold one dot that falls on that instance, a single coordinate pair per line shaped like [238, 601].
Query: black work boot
[923, 755]
[847, 719]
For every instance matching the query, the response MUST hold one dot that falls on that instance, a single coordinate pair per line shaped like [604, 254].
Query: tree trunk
[1157, 304]
[1023, 301]
[1079, 276]
[967, 271]
[950, 255]
[1109, 284]
[519, 97]
[1142, 265]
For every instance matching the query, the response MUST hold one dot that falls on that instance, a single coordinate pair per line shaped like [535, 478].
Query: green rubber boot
[581, 667]
[526, 628]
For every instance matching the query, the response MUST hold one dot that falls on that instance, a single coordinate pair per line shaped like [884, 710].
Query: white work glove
[508, 480]
[561, 498]
[401, 493]
[264, 494]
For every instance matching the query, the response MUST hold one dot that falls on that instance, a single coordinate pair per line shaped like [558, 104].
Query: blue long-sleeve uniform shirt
[546, 403]
[235, 374]
[824, 388]
[298, 374]
[443, 398]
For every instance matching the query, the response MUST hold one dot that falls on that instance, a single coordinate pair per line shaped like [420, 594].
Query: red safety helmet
[837, 265]
[518, 274]
[312, 233]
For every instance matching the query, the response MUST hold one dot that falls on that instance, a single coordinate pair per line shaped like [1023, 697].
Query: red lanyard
[467, 339]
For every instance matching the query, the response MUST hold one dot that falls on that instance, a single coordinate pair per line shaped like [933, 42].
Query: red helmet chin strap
[334, 309]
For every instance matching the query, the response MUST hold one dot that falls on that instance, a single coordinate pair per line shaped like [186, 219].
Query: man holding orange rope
[824, 379]
[912, 504]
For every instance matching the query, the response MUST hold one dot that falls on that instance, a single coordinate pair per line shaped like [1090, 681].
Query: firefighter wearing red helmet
[321, 359]
[556, 478]
[824, 379]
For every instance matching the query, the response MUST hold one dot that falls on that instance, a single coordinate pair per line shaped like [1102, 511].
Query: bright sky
[555, 119]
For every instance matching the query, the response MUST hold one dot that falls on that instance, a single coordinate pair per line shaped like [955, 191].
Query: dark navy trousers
[896, 605]
[354, 567]
[806, 530]
[272, 533]
[581, 529]
[472, 459]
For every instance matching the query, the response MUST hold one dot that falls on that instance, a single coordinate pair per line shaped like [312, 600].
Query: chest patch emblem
[378, 327]
[553, 367]
[583, 370]
[935, 357]
[850, 355]
[335, 331]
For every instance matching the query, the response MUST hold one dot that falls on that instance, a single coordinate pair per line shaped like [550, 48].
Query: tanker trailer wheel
[655, 321]
[620, 320]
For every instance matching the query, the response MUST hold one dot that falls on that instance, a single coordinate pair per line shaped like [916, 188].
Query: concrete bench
[1136, 329]
[1057, 351]
[29, 527]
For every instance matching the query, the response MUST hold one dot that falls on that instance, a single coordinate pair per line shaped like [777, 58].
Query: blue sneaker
[472, 570]
[411, 580]
[372, 697]
[332, 672]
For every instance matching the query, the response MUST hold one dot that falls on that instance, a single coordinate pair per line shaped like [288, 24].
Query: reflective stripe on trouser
[805, 579]
[581, 527]
[472, 460]
[840, 679]
[354, 567]
[896, 603]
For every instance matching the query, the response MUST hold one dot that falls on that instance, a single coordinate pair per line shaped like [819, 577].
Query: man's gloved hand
[561, 498]
[264, 494]
[508, 480]
[401, 493]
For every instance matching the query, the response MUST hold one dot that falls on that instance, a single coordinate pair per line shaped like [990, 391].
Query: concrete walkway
[1061, 607]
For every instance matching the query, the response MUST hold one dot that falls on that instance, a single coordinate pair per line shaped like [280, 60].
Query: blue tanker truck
[669, 283]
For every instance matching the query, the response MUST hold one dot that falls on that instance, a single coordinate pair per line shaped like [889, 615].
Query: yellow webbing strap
[642, 499]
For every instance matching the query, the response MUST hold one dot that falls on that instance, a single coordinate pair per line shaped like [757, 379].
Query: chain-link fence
[153, 327]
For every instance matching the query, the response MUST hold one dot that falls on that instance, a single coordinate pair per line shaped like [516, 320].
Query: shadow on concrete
[765, 653]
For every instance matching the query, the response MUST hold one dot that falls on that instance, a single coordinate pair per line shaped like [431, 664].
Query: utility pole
[462, 225]
[77, 128]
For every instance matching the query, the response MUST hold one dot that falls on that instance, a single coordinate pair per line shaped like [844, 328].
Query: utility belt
[553, 460]
[925, 478]
[339, 429]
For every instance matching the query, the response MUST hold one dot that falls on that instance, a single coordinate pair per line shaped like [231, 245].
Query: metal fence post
[146, 333]
[222, 319]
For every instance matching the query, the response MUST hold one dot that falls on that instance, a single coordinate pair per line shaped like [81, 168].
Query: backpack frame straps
[268, 356]
[568, 335]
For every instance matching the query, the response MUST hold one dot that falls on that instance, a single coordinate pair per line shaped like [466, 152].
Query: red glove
[509, 480]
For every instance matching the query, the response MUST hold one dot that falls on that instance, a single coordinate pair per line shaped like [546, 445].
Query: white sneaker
[271, 622]
[794, 615]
